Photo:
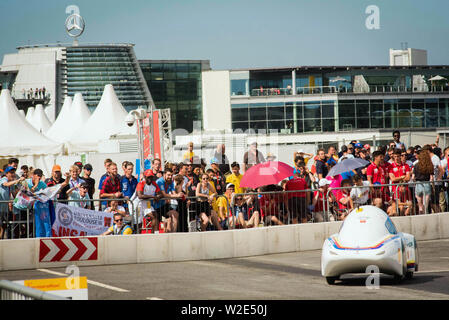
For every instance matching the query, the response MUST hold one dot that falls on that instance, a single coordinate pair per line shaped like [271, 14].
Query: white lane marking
[154, 298]
[431, 271]
[95, 283]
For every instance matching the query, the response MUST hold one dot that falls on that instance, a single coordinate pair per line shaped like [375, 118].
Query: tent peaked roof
[79, 114]
[71, 121]
[19, 137]
[61, 122]
[108, 119]
[29, 115]
[40, 120]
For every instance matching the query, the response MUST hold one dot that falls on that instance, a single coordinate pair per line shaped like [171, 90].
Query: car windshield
[365, 228]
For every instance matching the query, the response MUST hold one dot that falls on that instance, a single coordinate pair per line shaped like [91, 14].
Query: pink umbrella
[270, 172]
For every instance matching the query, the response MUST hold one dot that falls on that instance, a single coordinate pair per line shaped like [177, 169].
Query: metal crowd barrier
[14, 291]
[188, 219]
[15, 222]
[286, 207]
[397, 199]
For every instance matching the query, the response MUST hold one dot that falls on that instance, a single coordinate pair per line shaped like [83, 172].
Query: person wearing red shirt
[149, 193]
[111, 187]
[345, 204]
[400, 173]
[376, 175]
[297, 201]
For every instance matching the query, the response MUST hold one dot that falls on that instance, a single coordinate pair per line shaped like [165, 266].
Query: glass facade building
[176, 85]
[329, 99]
[87, 69]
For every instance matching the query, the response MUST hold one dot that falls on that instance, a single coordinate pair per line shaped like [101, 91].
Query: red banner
[156, 137]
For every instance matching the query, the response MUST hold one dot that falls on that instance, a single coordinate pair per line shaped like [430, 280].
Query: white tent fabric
[29, 115]
[56, 131]
[79, 115]
[21, 139]
[22, 113]
[72, 120]
[40, 120]
[108, 119]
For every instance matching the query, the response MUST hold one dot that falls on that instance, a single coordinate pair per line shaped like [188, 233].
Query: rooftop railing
[343, 90]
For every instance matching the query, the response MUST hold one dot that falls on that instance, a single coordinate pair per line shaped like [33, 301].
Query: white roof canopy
[108, 119]
[61, 122]
[40, 120]
[71, 119]
[19, 137]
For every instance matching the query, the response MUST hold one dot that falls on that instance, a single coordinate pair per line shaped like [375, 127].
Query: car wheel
[409, 275]
[397, 278]
[331, 280]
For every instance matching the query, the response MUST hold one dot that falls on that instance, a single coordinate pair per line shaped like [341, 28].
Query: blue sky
[239, 34]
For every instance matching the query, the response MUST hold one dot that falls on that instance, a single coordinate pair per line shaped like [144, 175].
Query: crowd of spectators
[176, 197]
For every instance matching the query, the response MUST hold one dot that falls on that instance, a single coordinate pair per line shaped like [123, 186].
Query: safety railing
[14, 291]
[396, 199]
[21, 223]
[280, 207]
[16, 223]
[192, 213]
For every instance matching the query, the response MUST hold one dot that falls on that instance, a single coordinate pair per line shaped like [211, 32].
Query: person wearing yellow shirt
[119, 228]
[222, 206]
[188, 156]
[235, 178]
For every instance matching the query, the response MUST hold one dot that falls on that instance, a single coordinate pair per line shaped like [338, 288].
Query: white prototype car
[367, 238]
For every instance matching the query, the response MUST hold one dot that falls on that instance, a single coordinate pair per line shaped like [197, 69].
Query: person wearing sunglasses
[205, 194]
[118, 228]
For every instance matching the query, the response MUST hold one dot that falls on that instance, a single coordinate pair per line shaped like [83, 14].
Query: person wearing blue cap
[219, 179]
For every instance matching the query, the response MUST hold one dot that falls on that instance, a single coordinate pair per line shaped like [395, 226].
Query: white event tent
[61, 122]
[40, 120]
[21, 140]
[107, 120]
[29, 115]
[70, 120]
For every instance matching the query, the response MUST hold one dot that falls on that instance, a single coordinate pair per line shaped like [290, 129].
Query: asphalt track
[289, 276]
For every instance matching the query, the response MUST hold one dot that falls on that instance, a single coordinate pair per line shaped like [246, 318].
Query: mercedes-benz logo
[74, 25]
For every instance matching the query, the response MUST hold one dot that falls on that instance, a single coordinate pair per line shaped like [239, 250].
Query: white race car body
[368, 241]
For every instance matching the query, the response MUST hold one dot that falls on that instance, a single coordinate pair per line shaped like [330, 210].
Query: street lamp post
[138, 115]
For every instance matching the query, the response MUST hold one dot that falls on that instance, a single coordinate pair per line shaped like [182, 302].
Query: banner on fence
[73, 221]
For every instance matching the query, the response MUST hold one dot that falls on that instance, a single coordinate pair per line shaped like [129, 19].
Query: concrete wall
[24, 253]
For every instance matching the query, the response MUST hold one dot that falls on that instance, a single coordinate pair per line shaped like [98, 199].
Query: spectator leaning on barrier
[119, 227]
[222, 206]
[149, 194]
[107, 162]
[422, 173]
[345, 204]
[128, 183]
[111, 186]
[166, 187]
[80, 194]
[320, 210]
[9, 186]
[87, 171]
[297, 201]
[205, 194]
[360, 193]
[376, 176]
[56, 176]
[245, 219]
